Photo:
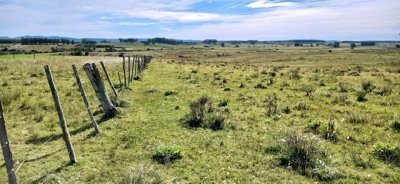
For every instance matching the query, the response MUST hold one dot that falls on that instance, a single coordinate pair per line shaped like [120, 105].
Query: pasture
[341, 106]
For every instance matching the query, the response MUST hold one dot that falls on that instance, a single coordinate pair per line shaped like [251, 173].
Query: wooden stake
[133, 68]
[108, 78]
[123, 68]
[60, 112]
[5, 145]
[100, 89]
[129, 69]
[78, 81]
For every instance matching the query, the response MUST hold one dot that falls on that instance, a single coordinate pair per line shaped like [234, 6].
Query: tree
[352, 46]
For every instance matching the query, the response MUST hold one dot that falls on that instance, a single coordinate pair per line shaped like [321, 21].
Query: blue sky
[202, 19]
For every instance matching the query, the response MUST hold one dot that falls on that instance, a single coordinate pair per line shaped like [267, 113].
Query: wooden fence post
[136, 65]
[132, 69]
[100, 89]
[108, 78]
[60, 112]
[129, 69]
[5, 145]
[78, 81]
[123, 68]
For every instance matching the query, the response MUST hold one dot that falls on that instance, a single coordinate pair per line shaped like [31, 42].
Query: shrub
[271, 105]
[203, 114]
[309, 89]
[260, 86]
[367, 86]
[303, 154]
[165, 155]
[343, 87]
[396, 124]
[169, 93]
[141, 175]
[294, 74]
[387, 153]
[286, 110]
[361, 96]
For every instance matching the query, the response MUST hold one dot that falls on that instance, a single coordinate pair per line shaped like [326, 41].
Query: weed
[271, 105]
[203, 114]
[358, 118]
[170, 93]
[330, 132]
[367, 86]
[260, 86]
[387, 153]
[361, 96]
[165, 154]
[141, 175]
[294, 74]
[396, 124]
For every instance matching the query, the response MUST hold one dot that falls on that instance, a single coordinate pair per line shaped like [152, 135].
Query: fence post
[129, 69]
[108, 78]
[5, 145]
[123, 68]
[99, 87]
[78, 81]
[60, 112]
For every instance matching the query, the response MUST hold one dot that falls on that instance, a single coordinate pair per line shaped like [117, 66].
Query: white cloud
[269, 4]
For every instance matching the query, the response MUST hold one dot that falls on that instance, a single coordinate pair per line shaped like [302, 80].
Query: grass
[158, 101]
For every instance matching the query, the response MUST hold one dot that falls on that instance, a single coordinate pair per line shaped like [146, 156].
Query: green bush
[141, 175]
[358, 118]
[204, 114]
[165, 155]
[387, 153]
[330, 133]
[396, 124]
[301, 152]
[361, 96]
[367, 86]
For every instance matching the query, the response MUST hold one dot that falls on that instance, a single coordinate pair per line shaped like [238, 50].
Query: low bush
[271, 105]
[361, 96]
[165, 155]
[367, 86]
[387, 153]
[358, 118]
[396, 124]
[204, 114]
[303, 154]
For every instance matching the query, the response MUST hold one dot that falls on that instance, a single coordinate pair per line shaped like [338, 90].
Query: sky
[204, 19]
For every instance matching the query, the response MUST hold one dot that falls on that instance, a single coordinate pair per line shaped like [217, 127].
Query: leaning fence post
[5, 145]
[100, 89]
[60, 112]
[78, 81]
[108, 78]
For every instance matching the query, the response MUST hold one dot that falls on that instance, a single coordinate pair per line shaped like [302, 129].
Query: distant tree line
[210, 41]
[164, 41]
[128, 40]
[45, 41]
[9, 41]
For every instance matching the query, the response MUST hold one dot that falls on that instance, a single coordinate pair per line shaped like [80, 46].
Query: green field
[358, 91]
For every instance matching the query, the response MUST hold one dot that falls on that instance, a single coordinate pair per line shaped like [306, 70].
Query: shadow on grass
[53, 137]
[57, 170]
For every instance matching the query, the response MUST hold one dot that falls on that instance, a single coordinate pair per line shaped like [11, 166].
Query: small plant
[170, 93]
[309, 89]
[387, 152]
[330, 132]
[358, 118]
[396, 124]
[286, 110]
[361, 96]
[141, 175]
[384, 91]
[342, 99]
[165, 155]
[203, 114]
[260, 86]
[367, 86]
[294, 74]
[343, 87]
[271, 105]
[301, 106]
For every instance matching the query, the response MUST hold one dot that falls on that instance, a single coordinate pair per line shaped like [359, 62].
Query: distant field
[358, 91]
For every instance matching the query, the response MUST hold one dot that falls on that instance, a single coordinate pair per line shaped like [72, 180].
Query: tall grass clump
[204, 114]
[387, 153]
[396, 124]
[367, 86]
[303, 154]
[271, 105]
[141, 175]
[165, 154]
